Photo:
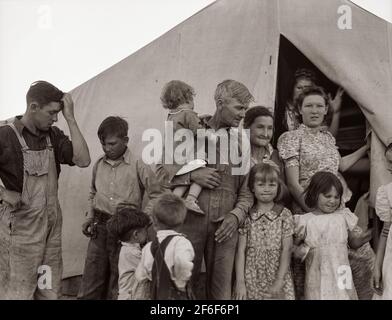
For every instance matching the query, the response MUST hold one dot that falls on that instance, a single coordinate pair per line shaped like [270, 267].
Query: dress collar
[180, 108]
[270, 215]
[311, 130]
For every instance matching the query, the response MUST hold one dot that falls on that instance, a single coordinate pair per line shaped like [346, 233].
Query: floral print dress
[311, 152]
[265, 232]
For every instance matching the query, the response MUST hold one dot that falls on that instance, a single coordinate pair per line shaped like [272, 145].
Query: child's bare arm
[377, 271]
[356, 240]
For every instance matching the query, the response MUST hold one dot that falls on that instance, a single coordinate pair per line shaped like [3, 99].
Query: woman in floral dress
[307, 150]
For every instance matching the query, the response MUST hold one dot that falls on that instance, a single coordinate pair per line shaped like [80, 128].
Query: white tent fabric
[237, 39]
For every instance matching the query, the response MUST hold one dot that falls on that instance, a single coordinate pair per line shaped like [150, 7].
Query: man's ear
[126, 140]
[219, 104]
[33, 106]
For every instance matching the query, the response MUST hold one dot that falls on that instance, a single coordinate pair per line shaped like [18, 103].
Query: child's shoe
[193, 206]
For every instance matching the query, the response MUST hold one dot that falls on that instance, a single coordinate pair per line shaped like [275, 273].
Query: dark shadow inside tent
[352, 129]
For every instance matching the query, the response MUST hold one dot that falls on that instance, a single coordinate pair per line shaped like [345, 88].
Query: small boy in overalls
[167, 261]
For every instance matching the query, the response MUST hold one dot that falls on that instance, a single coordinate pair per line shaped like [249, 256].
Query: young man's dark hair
[115, 126]
[43, 93]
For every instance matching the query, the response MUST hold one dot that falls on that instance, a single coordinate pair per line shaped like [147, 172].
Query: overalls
[162, 286]
[30, 237]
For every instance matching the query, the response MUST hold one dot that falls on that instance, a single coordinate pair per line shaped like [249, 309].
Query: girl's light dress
[384, 212]
[328, 272]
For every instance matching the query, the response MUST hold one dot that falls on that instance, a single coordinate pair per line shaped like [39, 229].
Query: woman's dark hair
[314, 90]
[267, 171]
[125, 221]
[322, 182]
[255, 112]
[115, 126]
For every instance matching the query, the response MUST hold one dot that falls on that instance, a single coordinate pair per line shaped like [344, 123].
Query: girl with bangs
[262, 263]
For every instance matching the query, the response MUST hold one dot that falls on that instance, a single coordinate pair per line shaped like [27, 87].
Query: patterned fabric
[265, 232]
[311, 152]
[326, 235]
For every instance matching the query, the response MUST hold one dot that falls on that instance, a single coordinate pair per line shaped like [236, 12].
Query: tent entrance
[352, 129]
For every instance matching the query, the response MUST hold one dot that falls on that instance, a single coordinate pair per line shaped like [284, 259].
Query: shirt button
[111, 198]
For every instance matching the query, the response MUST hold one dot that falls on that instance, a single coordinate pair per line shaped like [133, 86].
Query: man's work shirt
[232, 196]
[11, 157]
[122, 183]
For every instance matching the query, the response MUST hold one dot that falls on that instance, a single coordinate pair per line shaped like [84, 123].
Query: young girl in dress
[322, 236]
[262, 263]
[382, 273]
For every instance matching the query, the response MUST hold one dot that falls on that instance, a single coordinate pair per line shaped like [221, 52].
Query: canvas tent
[231, 39]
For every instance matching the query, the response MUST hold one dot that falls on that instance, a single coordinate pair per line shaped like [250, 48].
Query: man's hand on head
[68, 109]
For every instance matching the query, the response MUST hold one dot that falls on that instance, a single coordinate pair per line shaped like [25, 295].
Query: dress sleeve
[300, 226]
[245, 227]
[351, 219]
[287, 223]
[383, 207]
[289, 148]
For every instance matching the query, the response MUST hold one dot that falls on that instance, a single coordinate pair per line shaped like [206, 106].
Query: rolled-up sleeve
[150, 184]
[63, 147]
[244, 202]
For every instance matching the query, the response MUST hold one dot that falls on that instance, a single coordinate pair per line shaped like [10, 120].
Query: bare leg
[180, 190]
[191, 199]
[194, 191]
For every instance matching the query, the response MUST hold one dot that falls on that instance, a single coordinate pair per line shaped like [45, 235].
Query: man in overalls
[31, 151]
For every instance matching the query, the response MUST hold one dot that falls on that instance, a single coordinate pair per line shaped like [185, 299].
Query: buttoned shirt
[122, 183]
